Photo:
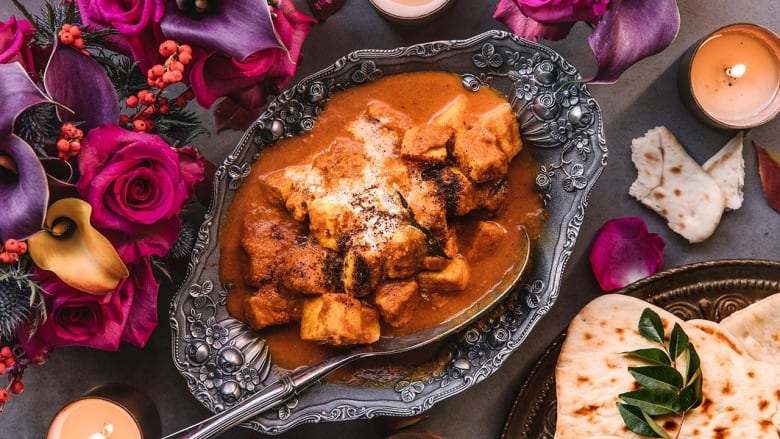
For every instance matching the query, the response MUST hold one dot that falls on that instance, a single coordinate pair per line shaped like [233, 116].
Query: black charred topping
[334, 266]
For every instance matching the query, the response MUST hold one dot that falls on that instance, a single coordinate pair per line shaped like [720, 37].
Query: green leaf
[657, 429]
[652, 355]
[678, 342]
[690, 396]
[635, 420]
[650, 326]
[654, 402]
[658, 377]
[694, 363]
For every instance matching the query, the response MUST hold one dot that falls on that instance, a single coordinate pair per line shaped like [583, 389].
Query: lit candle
[411, 11]
[113, 411]
[731, 78]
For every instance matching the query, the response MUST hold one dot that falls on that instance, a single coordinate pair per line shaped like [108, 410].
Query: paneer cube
[309, 269]
[460, 193]
[396, 301]
[362, 271]
[477, 154]
[269, 307]
[455, 115]
[502, 123]
[454, 277]
[331, 222]
[265, 238]
[388, 117]
[292, 188]
[481, 240]
[339, 319]
[404, 252]
[427, 143]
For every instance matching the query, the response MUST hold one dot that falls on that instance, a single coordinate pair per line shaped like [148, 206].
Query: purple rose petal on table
[629, 31]
[66, 77]
[624, 251]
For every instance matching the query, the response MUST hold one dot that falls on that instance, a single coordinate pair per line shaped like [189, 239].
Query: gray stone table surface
[645, 96]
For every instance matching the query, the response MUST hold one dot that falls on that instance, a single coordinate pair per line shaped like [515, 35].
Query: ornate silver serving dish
[223, 361]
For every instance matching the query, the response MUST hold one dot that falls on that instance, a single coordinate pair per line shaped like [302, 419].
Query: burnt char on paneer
[265, 237]
[268, 307]
[339, 319]
[361, 272]
[397, 300]
[309, 269]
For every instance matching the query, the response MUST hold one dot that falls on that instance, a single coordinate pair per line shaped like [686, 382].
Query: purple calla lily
[237, 28]
[94, 103]
[23, 190]
[629, 31]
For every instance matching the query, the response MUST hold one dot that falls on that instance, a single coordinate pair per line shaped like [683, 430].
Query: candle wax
[413, 2]
[87, 418]
[734, 99]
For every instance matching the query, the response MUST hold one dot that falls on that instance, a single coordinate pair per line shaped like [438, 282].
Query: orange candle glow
[94, 418]
[111, 411]
[733, 77]
[411, 11]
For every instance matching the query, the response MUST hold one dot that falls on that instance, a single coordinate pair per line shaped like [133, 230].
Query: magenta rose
[137, 21]
[563, 11]
[75, 318]
[137, 185]
[15, 37]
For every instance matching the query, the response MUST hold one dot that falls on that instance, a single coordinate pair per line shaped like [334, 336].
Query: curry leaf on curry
[431, 242]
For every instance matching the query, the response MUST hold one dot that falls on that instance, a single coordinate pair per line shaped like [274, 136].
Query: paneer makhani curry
[396, 211]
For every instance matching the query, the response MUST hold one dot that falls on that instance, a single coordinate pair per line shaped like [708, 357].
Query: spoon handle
[268, 397]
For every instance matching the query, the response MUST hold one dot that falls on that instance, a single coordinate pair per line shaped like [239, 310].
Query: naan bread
[727, 168]
[740, 392]
[758, 328]
[671, 183]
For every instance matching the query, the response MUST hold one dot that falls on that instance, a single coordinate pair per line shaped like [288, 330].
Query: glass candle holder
[730, 79]
[411, 11]
[109, 411]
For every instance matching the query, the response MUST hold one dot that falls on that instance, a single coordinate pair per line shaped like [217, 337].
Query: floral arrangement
[96, 164]
[624, 31]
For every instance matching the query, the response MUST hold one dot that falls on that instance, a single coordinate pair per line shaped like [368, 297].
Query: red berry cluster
[11, 251]
[71, 35]
[15, 383]
[69, 143]
[149, 103]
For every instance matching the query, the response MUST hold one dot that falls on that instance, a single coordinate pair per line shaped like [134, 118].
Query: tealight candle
[731, 78]
[411, 11]
[112, 411]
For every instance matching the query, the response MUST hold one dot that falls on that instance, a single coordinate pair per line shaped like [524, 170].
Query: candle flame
[737, 71]
[108, 429]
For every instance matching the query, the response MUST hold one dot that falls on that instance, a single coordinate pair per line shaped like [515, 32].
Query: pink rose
[137, 185]
[15, 37]
[75, 318]
[136, 20]
[563, 11]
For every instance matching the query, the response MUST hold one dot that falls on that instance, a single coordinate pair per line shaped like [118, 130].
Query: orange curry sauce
[420, 95]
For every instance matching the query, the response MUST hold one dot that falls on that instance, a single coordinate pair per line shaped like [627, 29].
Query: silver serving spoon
[301, 378]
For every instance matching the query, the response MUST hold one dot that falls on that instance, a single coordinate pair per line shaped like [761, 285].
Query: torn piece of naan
[672, 184]
[740, 392]
[727, 168]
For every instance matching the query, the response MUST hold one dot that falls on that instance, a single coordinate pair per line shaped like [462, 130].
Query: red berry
[11, 245]
[176, 66]
[156, 71]
[4, 396]
[164, 109]
[8, 258]
[75, 146]
[139, 125]
[67, 27]
[185, 48]
[6, 352]
[22, 248]
[9, 362]
[148, 111]
[66, 38]
[168, 48]
[185, 57]
[2, 368]
[74, 30]
[131, 101]
[17, 387]
[123, 119]
[78, 42]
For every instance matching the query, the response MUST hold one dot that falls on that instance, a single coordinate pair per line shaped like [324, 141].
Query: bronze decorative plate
[706, 290]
